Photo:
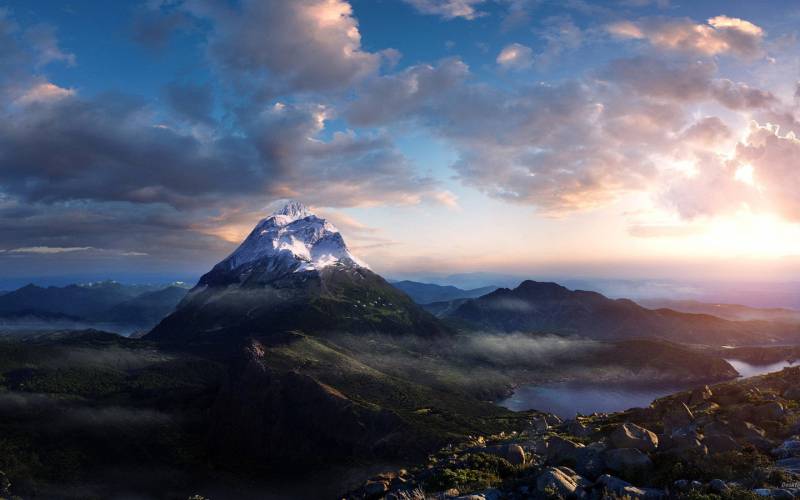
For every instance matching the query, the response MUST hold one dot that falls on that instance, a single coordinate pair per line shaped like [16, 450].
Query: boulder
[718, 486]
[587, 460]
[561, 450]
[490, 494]
[699, 396]
[729, 395]
[787, 449]
[746, 430]
[577, 429]
[375, 489]
[772, 410]
[539, 425]
[563, 481]
[627, 460]
[792, 393]
[720, 443]
[512, 452]
[685, 441]
[678, 416]
[632, 436]
[621, 489]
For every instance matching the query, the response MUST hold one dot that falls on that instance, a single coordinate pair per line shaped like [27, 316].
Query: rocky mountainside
[549, 307]
[737, 440]
[293, 272]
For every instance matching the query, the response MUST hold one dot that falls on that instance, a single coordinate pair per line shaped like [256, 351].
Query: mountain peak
[291, 240]
[293, 210]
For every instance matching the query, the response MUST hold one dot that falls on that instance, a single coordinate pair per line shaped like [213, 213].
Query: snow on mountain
[292, 239]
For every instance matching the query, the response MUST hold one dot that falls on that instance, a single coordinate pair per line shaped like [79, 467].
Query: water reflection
[568, 398]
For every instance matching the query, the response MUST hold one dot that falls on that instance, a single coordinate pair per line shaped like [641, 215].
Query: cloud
[720, 35]
[48, 250]
[44, 92]
[273, 46]
[685, 81]
[42, 39]
[448, 9]
[719, 185]
[190, 101]
[515, 56]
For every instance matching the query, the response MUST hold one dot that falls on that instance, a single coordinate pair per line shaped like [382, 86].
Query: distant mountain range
[552, 308]
[100, 302]
[426, 293]
[734, 312]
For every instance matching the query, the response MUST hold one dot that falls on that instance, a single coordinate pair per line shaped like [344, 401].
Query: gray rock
[789, 464]
[576, 428]
[539, 425]
[560, 450]
[681, 484]
[718, 486]
[375, 489]
[746, 430]
[587, 460]
[792, 393]
[626, 460]
[720, 443]
[611, 483]
[511, 452]
[684, 441]
[632, 436]
[787, 449]
[772, 410]
[490, 494]
[562, 480]
[679, 416]
[699, 396]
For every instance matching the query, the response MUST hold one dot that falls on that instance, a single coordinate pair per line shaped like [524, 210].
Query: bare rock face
[630, 435]
[627, 460]
[267, 417]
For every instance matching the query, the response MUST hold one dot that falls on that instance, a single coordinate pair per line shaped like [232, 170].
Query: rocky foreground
[732, 440]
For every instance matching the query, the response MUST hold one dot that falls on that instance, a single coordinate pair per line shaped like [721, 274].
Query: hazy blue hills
[427, 293]
[552, 308]
[100, 302]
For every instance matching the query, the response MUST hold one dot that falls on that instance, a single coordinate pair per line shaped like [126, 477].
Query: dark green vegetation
[549, 307]
[81, 411]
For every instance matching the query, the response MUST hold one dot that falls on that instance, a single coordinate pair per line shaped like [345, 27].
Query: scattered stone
[563, 481]
[681, 484]
[511, 452]
[718, 486]
[699, 396]
[772, 410]
[685, 441]
[633, 436]
[792, 393]
[720, 443]
[627, 459]
[787, 449]
[577, 429]
[375, 489]
[680, 416]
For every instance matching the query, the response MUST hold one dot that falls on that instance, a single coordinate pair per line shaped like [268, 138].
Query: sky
[142, 140]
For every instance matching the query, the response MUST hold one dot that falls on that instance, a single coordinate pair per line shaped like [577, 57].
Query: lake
[568, 398]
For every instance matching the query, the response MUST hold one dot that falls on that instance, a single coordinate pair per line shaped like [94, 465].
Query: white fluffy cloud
[719, 35]
[515, 56]
[448, 9]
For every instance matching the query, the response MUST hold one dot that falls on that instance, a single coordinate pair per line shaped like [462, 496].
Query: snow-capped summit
[292, 239]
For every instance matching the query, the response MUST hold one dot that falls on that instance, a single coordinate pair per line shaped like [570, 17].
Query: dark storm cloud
[192, 102]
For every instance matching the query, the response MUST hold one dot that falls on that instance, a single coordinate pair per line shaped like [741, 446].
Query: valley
[322, 362]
